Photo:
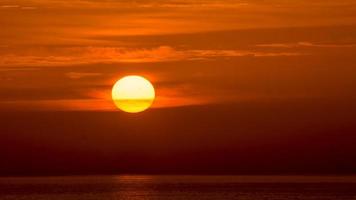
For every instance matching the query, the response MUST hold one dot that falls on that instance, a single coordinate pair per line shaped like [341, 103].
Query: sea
[178, 187]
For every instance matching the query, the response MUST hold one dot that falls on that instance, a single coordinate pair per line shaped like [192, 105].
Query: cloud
[10, 6]
[65, 104]
[305, 44]
[204, 54]
[79, 75]
[18, 7]
[10, 69]
[90, 55]
[28, 8]
[140, 3]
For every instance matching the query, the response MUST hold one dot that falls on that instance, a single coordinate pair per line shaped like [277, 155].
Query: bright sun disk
[133, 94]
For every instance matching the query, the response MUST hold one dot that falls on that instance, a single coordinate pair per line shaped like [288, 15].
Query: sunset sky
[239, 84]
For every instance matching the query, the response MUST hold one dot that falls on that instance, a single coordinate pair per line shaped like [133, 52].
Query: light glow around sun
[133, 94]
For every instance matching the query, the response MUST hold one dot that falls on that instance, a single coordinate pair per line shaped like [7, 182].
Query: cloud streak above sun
[92, 55]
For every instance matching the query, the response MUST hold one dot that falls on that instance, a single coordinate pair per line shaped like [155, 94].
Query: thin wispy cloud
[10, 6]
[79, 75]
[306, 44]
[18, 7]
[89, 55]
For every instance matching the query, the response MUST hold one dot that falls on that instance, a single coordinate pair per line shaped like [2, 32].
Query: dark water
[179, 187]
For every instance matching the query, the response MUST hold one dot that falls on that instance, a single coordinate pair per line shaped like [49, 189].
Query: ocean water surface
[179, 187]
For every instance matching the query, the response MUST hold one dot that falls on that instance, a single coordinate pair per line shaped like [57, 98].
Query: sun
[133, 94]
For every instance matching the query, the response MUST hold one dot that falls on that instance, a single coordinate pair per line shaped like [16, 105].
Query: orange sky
[243, 86]
[56, 55]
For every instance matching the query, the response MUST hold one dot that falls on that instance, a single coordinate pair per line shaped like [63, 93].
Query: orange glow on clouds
[64, 56]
